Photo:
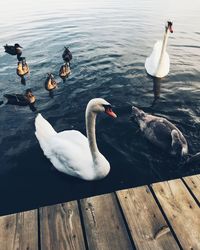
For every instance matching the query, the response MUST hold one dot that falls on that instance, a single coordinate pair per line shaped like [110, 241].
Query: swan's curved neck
[90, 128]
[164, 45]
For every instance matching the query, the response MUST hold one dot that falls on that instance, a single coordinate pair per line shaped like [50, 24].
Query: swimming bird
[50, 82]
[67, 55]
[70, 151]
[14, 50]
[22, 69]
[158, 63]
[64, 71]
[27, 99]
[161, 132]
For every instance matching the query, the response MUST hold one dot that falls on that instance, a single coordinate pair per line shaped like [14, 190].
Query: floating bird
[22, 69]
[64, 71]
[67, 55]
[27, 99]
[14, 50]
[158, 63]
[70, 151]
[50, 82]
[161, 132]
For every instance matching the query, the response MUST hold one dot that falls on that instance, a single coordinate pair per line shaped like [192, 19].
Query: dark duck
[67, 55]
[14, 50]
[22, 69]
[64, 71]
[26, 99]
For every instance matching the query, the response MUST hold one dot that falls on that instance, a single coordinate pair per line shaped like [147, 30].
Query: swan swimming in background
[70, 151]
[158, 63]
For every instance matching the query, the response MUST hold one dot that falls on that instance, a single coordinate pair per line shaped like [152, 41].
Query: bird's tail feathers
[43, 128]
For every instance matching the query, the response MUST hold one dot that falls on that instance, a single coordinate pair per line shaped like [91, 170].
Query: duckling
[64, 71]
[14, 50]
[50, 82]
[22, 69]
[67, 55]
[21, 99]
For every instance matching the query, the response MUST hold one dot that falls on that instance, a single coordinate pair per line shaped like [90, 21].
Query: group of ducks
[23, 69]
[22, 66]
[74, 154]
[77, 155]
[64, 72]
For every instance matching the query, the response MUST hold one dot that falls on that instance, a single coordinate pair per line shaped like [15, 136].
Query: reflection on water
[109, 41]
[156, 88]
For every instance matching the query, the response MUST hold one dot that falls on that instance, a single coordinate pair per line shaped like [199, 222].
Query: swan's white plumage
[152, 62]
[68, 151]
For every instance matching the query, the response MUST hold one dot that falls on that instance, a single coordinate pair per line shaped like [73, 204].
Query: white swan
[70, 151]
[158, 63]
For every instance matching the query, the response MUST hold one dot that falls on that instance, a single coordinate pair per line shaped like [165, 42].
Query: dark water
[110, 41]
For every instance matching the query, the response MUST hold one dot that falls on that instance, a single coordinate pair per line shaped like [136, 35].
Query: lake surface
[110, 41]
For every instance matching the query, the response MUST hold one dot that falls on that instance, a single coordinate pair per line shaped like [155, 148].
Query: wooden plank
[60, 227]
[148, 227]
[19, 231]
[181, 210]
[193, 182]
[104, 225]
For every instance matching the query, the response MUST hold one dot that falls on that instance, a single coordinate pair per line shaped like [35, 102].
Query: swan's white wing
[164, 66]
[151, 63]
[76, 137]
[68, 151]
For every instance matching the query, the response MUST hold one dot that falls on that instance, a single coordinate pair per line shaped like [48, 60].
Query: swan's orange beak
[109, 112]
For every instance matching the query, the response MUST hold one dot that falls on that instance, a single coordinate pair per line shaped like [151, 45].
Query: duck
[158, 63]
[67, 55]
[161, 132]
[64, 71]
[70, 151]
[14, 50]
[50, 82]
[22, 69]
[21, 99]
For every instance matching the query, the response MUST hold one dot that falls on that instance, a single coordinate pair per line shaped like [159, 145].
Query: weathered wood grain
[60, 227]
[181, 210]
[104, 226]
[148, 228]
[193, 182]
[19, 231]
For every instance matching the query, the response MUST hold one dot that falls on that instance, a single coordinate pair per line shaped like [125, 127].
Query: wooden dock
[165, 215]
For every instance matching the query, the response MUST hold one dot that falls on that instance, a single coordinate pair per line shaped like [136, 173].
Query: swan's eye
[107, 106]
